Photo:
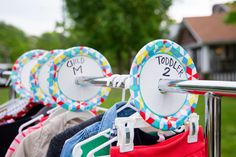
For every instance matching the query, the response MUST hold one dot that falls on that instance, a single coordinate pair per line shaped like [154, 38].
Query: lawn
[3, 95]
[228, 127]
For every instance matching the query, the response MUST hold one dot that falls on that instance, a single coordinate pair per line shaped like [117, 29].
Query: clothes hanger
[77, 150]
[126, 82]
[116, 81]
[193, 128]
[50, 112]
[30, 122]
[116, 138]
[127, 105]
[92, 152]
[12, 107]
[125, 129]
[85, 115]
[126, 125]
[125, 133]
[101, 109]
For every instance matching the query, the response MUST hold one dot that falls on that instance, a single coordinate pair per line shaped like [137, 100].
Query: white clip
[111, 79]
[193, 128]
[125, 133]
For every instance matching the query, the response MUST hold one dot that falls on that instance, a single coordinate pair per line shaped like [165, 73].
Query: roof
[211, 29]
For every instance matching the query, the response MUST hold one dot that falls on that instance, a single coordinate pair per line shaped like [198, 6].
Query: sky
[38, 16]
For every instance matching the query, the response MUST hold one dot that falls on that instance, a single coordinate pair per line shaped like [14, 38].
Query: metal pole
[102, 81]
[213, 125]
[221, 88]
[12, 93]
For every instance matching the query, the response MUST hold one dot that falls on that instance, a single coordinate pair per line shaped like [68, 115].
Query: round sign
[74, 63]
[20, 76]
[162, 59]
[39, 78]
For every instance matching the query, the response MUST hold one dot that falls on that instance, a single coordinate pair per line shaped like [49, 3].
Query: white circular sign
[25, 74]
[162, 59]
[79, 66]
[43, 76]
[161, 66]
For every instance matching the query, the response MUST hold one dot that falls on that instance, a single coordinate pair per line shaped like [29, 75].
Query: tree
[117, 28]
[231, 15]
[13, 42]
[51, 40]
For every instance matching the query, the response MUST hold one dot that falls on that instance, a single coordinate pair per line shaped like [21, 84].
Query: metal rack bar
[97, 81]
[220, 88]
[213, 125]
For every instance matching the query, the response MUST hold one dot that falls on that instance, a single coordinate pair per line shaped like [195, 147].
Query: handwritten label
[161, 66]
[75, 61]
[76, 65]
[170, 63]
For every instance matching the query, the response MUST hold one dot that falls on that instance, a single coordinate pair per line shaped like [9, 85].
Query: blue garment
[106, 122]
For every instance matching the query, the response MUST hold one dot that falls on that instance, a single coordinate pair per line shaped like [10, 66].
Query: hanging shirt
[87, 147]
[36, 144]
[15, 143]
[176, 146]
[106, 122]
[57, 142]
[9, 131]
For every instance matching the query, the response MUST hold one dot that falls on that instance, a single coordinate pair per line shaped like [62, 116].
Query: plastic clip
[125, 133]
[193, 128]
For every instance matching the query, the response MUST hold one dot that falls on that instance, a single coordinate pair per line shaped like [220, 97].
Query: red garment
[176, 146]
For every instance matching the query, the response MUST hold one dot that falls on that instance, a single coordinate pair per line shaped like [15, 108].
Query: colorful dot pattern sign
[20, 76]
[78, 62]
[162, 59]
[39, 78]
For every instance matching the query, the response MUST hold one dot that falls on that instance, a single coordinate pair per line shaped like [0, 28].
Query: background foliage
[117, 28]
[13, 42]
[231, 15]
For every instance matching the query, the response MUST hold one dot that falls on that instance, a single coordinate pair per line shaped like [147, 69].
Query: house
[211, 43]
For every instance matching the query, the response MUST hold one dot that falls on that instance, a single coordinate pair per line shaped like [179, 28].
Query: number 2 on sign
[166, 71]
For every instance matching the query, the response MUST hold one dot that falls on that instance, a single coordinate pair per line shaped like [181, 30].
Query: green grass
[4, 93]
[228, 127]
[228, 124]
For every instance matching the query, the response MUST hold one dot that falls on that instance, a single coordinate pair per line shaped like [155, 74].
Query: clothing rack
[213, 91]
